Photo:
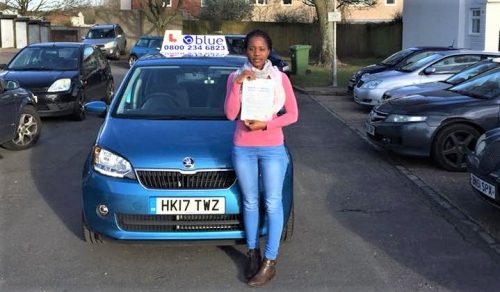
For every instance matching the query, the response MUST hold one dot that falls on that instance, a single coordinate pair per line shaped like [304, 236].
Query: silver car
[466, 74]
[436, 67]
[109, 38]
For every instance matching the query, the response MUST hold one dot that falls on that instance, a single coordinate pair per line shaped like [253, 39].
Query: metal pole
[334, 57]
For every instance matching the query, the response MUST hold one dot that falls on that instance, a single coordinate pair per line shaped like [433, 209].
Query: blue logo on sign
[187, 39]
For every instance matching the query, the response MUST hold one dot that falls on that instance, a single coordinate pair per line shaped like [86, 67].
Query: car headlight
[480, 144]
[110, 45]
[60, 85]
[110, 164]
[371, 84]
[404, 118]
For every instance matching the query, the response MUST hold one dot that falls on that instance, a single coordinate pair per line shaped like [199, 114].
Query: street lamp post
[333, 17]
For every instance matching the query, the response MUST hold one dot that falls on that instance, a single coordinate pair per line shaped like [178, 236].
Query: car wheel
[89, 235]
[28, 130]
[287, 233]
[131, 60]
[79, 110]
[110, 91]
[452, 144]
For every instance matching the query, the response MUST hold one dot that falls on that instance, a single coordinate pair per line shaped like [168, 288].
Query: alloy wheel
[26, 131]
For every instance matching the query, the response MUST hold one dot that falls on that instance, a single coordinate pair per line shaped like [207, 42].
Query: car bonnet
[160, 144]
[37, 79]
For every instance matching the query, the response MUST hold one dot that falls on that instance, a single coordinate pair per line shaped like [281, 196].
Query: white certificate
[257, 98]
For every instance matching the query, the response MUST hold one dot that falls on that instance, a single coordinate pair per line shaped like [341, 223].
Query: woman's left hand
[253, 125]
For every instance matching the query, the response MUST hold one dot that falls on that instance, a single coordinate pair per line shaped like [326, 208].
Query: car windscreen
[470, 72]
[46, 59]
[101, 33]
[174, 92]
[397, 57]
[485, 86]
[420, 63]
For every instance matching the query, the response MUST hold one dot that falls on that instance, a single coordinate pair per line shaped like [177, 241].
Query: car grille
[376, 116]
[180, 223]
[176, 180]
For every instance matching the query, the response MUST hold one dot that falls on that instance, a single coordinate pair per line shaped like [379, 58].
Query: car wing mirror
[83, 38]
[429, 70]
[96, 108]
[3, 66]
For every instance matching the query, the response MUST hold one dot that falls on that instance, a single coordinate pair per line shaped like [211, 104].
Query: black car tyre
[287, 233]
[79, 110]
[89, 235]
[452, 144]
[110, 91]
[28, 130]
[131, 60]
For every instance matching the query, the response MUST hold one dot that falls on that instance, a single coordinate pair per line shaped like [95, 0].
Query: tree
[38, 7]
[322, 9]
[159, 15]
[226, 10]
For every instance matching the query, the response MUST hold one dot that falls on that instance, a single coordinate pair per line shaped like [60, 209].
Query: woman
[259, 150]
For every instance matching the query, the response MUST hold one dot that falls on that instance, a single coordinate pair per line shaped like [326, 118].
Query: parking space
[452, 186]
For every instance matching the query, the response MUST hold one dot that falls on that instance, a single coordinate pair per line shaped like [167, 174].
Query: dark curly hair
[258, 33]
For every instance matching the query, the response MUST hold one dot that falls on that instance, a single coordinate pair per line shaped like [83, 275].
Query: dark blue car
[161, 166]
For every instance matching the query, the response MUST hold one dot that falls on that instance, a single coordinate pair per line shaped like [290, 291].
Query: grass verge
[320, 76]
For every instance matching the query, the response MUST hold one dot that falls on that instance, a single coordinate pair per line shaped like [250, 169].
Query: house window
[475, 23]
[390, 2]
[286, 2]
[166, 3]
[258, 2]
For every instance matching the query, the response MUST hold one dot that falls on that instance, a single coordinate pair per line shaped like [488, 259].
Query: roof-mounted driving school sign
[175, 44]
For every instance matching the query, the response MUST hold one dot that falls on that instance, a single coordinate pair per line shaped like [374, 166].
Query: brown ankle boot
[253, 263]
[265, 274]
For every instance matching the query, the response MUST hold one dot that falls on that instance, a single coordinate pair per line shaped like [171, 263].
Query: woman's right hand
[246, 74]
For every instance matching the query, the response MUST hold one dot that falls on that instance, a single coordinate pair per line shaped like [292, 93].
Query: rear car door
[90, 74]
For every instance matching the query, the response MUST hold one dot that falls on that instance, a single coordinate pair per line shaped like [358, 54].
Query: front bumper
[55, 104]
[413, 138]
[484, 183]
[369, 97]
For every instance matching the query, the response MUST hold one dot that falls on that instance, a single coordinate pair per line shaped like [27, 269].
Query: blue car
[161, 166]
[144, 46]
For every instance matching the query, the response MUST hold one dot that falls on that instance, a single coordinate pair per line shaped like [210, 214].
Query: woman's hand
[246, 74]
[253, 125]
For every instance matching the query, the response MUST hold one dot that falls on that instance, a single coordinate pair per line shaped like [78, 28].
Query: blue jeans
[270, 164]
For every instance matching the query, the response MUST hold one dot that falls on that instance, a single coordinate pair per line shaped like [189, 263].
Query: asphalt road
[361, 225]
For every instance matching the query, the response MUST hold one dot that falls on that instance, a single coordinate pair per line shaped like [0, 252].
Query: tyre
[131, 60]
[28, 130]
[452, 144]
[110, 91]
[287, 233]
[79, 110]
[89, 235]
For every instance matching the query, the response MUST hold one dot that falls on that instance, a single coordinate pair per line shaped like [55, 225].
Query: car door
[448, 66]
[8, 114]
[104, 74]
[90, 74]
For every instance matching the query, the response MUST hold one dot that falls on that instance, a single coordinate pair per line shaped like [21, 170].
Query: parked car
[442, 124]
[171, 176]
[20, 124]
[63, 76]
[109, 38]
[144, 45]
[398, 59]
[436, 67]
[464, 75]
[484, 167]
[235, 46]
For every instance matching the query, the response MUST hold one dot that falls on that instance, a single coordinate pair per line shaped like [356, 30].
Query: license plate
[482, 186]
[370, 129]
[188, 206]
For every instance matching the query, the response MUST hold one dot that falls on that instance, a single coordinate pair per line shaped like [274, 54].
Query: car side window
[155, 44]
[142, 43]
[119, 30]
[454, 64]
[101, 60]
[89, 60]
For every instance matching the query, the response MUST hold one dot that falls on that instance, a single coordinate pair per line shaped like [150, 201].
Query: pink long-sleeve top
[273, 134]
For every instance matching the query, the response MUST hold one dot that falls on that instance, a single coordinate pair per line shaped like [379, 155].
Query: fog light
[102, 210]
